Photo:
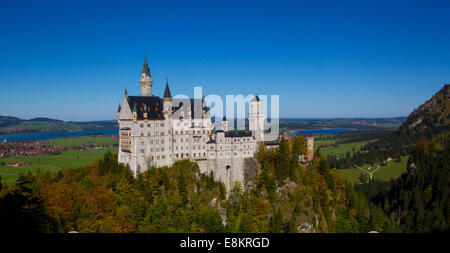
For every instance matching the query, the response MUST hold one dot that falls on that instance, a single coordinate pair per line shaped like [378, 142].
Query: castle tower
[146, 80]
[167, 100]
[310, 146]
[224, 124]
[256, 119]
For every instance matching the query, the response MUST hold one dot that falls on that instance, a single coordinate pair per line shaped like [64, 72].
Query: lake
[54, 135]
[329, 131]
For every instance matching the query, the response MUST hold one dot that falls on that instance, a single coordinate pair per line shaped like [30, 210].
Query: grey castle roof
[151, 104]
[239, 133]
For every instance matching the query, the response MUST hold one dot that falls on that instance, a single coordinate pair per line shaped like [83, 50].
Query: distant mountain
[45, 120]
[13, 125]
[419, 200]
[431, 117]
[425, 122]
[7, 120]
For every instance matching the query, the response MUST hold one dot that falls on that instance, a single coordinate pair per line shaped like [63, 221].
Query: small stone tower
[167, 100]
[146, 80]
[256, 119]
[310, 146]
[224, 124]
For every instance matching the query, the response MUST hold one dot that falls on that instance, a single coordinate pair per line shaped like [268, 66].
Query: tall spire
[146, 80]
[145, 68]
[167, 90]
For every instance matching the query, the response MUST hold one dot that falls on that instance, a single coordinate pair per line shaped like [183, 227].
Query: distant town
[43, 147]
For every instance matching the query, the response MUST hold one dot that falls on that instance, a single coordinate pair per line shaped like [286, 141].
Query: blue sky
[72, 60]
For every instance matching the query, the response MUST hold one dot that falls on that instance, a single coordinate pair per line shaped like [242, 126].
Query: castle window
[163, 157]
[162, 124]
[142, 125]
[148, 125]
[142, 134]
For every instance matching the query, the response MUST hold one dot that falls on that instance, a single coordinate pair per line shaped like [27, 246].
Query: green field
[391, 170]
[323, 141]
[80, 140]
[72, 158]
[341, 149]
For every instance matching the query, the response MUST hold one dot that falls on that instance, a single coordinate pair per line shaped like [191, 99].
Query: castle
[156, 131]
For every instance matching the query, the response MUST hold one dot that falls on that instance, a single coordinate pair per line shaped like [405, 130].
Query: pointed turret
[118, 110]
[145, 68]
[224, 124]
[167, 90]
[146, 80]
[167, 100]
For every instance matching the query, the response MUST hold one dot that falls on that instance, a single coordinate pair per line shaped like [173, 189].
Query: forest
[104, 197]
[418, 201]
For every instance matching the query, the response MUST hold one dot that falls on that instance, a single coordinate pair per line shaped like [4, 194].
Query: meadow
[341, 149]
[53, 163]
[81, 140]
[391, 170]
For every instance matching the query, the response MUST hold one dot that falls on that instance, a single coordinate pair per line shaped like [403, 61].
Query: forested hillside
[425, 122]
[104, 197]
[419, 200]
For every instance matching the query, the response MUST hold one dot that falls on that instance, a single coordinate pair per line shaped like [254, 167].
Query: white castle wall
[161, 142]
